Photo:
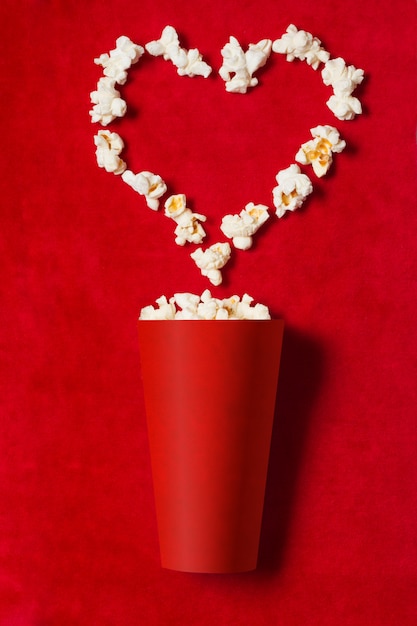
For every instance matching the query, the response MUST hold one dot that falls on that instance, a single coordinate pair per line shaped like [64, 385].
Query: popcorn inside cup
[188, 306]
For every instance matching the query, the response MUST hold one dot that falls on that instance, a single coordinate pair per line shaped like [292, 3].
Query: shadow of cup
[302, 364]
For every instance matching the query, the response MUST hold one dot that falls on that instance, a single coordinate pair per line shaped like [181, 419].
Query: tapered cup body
[210, 390]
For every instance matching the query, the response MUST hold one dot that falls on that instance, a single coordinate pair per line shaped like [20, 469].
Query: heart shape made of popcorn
[238, 72]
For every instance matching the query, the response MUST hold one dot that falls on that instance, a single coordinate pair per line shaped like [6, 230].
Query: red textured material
[81, 254]
[210, 390]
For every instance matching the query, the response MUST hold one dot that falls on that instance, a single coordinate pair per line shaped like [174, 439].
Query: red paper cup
[209, 389]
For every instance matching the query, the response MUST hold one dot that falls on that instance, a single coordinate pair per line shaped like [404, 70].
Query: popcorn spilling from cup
[188, 306]
[237, 70]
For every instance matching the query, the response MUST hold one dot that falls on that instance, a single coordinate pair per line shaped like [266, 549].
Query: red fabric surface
[81, 254]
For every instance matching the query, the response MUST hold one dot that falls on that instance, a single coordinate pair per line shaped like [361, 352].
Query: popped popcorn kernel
[187, 62]
[212, 260]
[188, 305]
[241, 228]
[166, 46]
[318, 151]
[109, 146]
[344, 107]
[243, 64]
[165, 310]
[117, 61]
[175, 205]
[107, 102]
[146, 184]
[189, 228]
[344, 79]
[292, 189]
[193, 65]
[299, 44]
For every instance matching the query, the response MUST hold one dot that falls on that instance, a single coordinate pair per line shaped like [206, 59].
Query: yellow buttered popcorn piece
[318, 151]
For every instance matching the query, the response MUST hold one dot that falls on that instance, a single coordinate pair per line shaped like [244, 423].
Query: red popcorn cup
[209, 389]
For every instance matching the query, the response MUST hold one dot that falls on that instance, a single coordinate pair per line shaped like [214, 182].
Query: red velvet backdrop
[81, 254]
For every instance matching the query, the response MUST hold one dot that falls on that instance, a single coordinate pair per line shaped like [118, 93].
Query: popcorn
[344, 79]
[165, 311]
[318, 151]
[107, 101]
[240, 228]
[212, 260]
[120, 59]
[344, 107]
[167, 46]
[243, 64]
[188, 223]
[237, 70]
[188, 303]
[193, 65]
[187, 62]
[186, 306]
[245, 310]
[175, 206]
[299, 44]
[146, 184]
[109, 146]
[293, 188]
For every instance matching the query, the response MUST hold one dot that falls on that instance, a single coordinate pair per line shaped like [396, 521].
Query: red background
[81, 254]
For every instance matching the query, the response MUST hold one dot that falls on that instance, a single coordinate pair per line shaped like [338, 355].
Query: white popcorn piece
[241, 228]
[245, 310]
[191, 230]
[188, 62]
[344, 107]
[109, 146]
[318, 151]
[117, 61]
[257, 55]
[146, 184]
[187, 306]
[243, 64]
[212, 260]
[165, 311]
[209, 307]
[344, 79]
[107, 102]
[167, 46]
[192, 64]
[293, 188]
[188, 227]
[299, 44]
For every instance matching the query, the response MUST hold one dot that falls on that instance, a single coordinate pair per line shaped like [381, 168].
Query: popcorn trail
[237, 70]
